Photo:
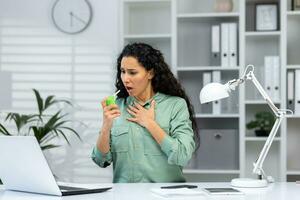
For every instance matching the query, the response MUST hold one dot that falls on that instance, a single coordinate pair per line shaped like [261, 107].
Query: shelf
[293, 66]
[148, 36]
[146, 1]
[293, 116]
[293, 13]
[263, 139]
[293, 172]
[206, 68]
[200, 171]
[250, 102]
[217, 116]
[262, 33]
[207, 15]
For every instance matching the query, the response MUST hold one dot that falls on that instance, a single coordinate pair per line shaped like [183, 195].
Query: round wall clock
[72, 16]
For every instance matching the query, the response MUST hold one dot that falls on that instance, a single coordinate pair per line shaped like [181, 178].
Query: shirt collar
[158, 97]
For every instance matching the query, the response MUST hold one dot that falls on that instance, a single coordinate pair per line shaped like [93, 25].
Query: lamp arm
[251, 76]
[259, 162]
[279, 117]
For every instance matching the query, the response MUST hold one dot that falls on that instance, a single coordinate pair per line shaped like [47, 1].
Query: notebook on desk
[23, 167]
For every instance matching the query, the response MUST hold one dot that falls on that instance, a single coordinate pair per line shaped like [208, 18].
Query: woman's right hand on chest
[109, 113]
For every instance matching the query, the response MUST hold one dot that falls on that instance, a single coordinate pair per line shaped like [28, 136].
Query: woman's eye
[132, 73]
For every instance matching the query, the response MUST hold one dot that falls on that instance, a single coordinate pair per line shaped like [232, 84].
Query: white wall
[68, 163]
[103, 28]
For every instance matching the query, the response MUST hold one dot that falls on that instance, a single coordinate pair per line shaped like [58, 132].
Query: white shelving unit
[181, 29]
[291, 20]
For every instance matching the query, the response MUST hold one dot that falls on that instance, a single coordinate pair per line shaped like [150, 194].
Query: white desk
[284, 191]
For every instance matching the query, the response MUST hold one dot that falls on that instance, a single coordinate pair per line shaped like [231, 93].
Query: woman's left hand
[141, 115]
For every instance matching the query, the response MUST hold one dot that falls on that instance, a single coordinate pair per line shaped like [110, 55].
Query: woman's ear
[151, 74]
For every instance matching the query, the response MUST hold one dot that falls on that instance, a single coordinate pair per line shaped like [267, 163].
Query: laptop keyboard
[62, 187]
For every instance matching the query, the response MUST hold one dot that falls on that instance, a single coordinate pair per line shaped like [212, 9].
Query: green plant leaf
[47, 138]
[49, 101]
[45, 132]
[72, 130]
[64, 101]
[20, 119]
[39, 101]
[37, 131]
[263, 121]
[49, 146]
[62, 133]
[3, 130]
[51, 122]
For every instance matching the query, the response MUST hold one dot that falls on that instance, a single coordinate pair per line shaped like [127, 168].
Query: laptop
[23, 167]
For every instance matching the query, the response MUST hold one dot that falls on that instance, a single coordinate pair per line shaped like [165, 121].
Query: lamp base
[249, 183]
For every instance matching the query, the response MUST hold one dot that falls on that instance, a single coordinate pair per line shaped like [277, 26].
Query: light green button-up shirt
[135, 154]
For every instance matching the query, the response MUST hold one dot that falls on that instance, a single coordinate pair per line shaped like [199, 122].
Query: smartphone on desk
[222, 191]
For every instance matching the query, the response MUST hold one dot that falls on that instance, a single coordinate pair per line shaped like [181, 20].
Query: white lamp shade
[213, 92]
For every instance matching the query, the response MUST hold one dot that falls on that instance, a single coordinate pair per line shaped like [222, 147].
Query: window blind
[76, 68]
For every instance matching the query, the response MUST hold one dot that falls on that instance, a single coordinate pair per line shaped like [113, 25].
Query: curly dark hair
[151, 58]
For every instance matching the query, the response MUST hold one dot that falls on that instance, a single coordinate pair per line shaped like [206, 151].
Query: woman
[150, 133]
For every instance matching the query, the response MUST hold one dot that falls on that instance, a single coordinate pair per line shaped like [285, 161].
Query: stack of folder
[224, 45]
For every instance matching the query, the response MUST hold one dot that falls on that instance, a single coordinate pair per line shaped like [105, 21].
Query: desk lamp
[216, 91]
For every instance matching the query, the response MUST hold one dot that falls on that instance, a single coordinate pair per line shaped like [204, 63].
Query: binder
[216, 76]
[215, 46]
[297, 92]
[224, 45]
[232, 44]
[276, 78]
[290, 90]
[206, 78]
[272, 77]
[206, 108]
[268, 62]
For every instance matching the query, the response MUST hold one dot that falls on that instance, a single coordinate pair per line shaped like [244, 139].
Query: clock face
[72, 16]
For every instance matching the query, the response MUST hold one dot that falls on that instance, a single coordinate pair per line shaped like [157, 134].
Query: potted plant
[262, 124]
[44, 126]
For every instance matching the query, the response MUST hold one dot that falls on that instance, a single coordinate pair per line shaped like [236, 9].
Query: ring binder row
[293, 91]
[224, 45]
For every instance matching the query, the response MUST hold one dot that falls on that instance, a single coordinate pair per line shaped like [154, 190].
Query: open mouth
[129, 88]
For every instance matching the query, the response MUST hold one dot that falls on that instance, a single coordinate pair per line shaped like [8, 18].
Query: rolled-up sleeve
[179, 145]
[103, 160]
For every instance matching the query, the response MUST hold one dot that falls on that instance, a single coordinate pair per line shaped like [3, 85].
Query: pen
[179, 186]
